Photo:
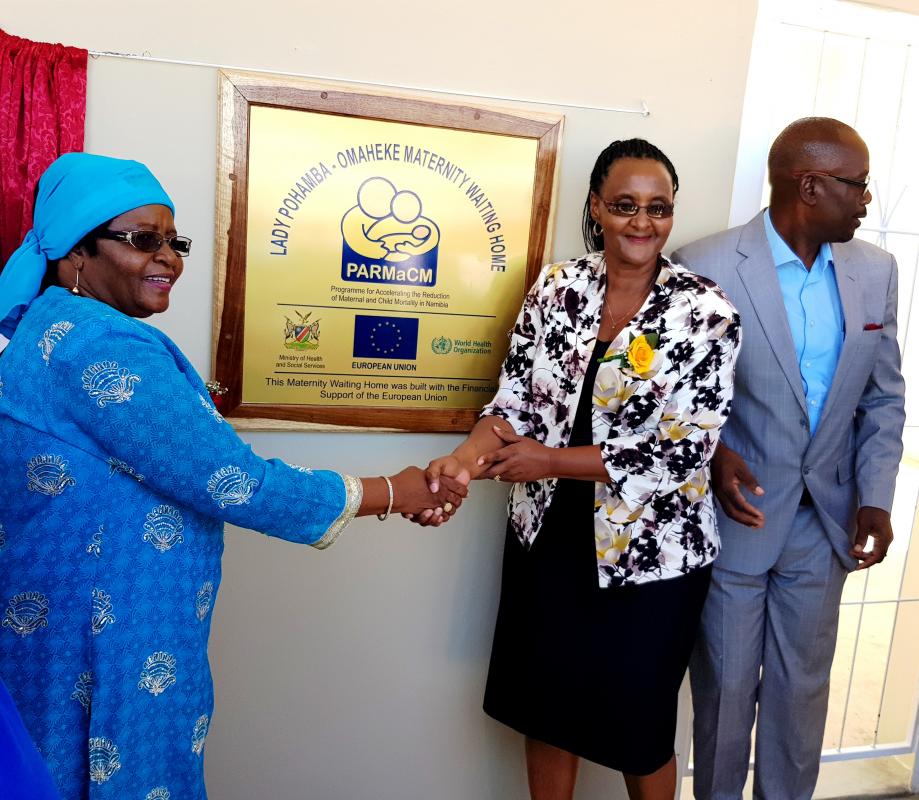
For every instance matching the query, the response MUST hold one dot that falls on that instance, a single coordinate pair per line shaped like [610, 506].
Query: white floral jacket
[661, 395]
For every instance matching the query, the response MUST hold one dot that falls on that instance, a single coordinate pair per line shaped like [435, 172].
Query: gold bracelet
[385, 516]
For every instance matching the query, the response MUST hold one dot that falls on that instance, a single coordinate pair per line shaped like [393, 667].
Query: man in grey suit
[805, 469]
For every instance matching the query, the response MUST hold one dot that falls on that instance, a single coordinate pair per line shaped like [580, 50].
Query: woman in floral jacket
[618, 379]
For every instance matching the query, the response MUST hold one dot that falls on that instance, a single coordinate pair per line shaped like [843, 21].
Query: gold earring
[76, 286]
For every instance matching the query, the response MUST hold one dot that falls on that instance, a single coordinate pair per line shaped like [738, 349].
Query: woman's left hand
[521, 459]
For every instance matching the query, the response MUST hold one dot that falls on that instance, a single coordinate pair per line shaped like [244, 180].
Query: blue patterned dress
[116, 477]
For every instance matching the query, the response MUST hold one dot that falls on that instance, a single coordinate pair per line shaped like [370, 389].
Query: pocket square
[873, 326]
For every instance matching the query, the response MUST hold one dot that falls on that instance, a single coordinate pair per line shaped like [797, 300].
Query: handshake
[493, 450]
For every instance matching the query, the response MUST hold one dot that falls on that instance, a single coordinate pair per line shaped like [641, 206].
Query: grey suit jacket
[853, 457]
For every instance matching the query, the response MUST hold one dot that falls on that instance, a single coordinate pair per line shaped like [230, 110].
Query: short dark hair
[621, 148]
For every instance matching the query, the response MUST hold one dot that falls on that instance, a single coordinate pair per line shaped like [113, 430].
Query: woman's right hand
[449, 466]
[444, 472]
[413, 497]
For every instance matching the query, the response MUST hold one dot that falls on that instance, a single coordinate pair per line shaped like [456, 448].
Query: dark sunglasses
[149, 241]
[625, 208]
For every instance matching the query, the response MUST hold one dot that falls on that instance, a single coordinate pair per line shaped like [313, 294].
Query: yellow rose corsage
[641, 358]
[640, 354]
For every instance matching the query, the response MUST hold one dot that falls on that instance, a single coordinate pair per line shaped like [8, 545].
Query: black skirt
[592, 671]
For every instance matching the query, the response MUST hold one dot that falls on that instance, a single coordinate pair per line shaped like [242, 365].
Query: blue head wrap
[76, 194]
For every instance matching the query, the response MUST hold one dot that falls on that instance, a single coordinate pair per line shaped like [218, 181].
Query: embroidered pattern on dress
[95, 546]
[83, 690]
[51, 337]
[2, 538]
[354, 493]
[163, 528]
[106, 383]
[26, 613]
[230, 486]
[159, 793]
[199, 734]
[102, 611]
[158, 674]
[211, 408]
[48, 474]
[116, 465]
[103, 759]
[203, 599]
[299, 468]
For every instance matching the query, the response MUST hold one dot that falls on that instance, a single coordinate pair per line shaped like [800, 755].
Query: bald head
[812, 143]
[818, 169]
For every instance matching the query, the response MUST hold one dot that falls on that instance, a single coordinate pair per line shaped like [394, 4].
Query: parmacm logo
[387, 239]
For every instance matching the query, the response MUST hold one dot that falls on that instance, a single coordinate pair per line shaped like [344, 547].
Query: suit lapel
[760, 279]
[853, 316]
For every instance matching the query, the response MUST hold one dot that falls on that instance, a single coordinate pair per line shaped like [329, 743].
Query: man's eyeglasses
[863, 185]
[625, 208]
[149, 241]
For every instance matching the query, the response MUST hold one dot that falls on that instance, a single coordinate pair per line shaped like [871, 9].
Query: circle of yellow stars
[384, 350]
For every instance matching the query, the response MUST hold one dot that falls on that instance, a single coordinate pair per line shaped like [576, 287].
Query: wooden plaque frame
[238, 92]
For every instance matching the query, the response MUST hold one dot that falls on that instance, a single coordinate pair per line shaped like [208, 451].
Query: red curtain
[42, 115]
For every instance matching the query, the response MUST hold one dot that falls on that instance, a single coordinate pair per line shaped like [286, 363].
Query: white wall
[357, 673]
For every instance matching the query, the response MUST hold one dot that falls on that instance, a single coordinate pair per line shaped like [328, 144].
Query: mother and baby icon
[387, 224]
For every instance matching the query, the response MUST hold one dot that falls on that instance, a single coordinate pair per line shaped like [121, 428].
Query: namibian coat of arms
[301, 334]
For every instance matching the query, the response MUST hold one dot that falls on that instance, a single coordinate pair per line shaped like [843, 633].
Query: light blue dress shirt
[814, 315]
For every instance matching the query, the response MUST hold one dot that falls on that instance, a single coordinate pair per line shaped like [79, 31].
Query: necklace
[616, 322]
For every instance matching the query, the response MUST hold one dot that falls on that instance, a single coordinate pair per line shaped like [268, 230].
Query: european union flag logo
[385, 337]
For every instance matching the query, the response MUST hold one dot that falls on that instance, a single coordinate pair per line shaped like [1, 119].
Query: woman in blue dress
[116, 477]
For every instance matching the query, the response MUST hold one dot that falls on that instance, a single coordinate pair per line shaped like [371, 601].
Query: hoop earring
[597, 230]
[76, 286]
